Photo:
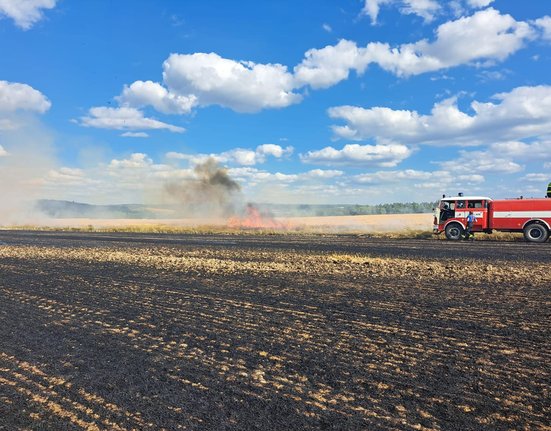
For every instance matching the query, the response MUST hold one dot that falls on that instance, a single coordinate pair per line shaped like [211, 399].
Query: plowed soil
[278, 332]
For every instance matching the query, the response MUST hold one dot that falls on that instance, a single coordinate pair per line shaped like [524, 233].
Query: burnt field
[272, 332]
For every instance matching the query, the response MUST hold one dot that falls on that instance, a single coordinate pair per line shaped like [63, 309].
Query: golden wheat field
[294, 331]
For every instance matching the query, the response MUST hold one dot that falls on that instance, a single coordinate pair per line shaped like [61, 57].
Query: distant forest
[67, 209]
[344, 210]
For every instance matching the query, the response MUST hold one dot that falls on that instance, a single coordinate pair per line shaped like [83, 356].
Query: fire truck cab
[451, 213]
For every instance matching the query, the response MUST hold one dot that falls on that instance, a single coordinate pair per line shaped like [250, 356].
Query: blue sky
[303, 102]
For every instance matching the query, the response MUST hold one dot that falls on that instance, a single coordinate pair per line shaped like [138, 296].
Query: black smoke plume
[212, 193]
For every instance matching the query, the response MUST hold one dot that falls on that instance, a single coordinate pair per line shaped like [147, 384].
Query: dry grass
[375, 224]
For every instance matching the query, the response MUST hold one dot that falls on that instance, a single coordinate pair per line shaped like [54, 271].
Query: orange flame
[255, 219]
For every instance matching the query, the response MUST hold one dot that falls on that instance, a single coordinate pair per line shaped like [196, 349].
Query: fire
[255, 219]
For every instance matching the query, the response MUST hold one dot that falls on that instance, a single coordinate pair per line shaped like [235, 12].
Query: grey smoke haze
[211, 194]
[26, 160]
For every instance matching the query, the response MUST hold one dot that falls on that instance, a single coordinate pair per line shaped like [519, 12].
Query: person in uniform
[470, 219]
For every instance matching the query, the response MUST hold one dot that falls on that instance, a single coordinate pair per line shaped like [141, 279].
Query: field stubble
[143, 336]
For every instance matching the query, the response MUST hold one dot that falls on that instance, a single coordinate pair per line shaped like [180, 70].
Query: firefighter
[470, 219]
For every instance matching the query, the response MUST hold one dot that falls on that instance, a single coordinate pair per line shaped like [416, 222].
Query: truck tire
[454, 231]
[536, 232]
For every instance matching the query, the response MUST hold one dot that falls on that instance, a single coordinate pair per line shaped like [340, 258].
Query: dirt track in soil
[280, 332]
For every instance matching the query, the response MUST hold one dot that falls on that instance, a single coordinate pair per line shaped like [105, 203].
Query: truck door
[480, 211]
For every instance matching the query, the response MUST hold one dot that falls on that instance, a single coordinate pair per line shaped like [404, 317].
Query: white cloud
[241, 86]
[124, 119]
[547, 166]
[479, 3]
[135, 161]
[544, 24]
[322, 68]
[253, 175]
[523, 113]
[3, 152]
[372, 8]
[274, 150]
[419, 179]
[456, 42]
[142, 93]
[384, 155]
[323, 173]
[204, 79]
[21, 97]
[527, 152]
[327, 28]
[135, 135]
[423, 8]
[540, 178]
[139, 171]
[247, 174]
[68, 177]
[25, 13]
[240, 156]
[481, 161]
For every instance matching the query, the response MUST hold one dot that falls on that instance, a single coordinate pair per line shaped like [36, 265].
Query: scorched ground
[279, 332]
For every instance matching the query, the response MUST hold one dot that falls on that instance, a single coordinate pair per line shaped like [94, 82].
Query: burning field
[279, 332]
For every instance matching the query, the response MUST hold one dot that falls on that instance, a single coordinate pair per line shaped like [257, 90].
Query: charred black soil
[279, 332]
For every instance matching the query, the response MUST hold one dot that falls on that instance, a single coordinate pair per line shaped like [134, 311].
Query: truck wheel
[454, 231]
[535, 232]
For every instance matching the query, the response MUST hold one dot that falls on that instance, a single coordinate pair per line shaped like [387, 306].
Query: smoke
[25, 161]
[212, 193]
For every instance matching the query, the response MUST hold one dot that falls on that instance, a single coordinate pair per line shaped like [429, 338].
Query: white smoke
[26, 156]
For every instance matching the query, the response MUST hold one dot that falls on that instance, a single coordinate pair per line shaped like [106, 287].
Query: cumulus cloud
[139, 172]
[243, 86]
[481, 161]
[25, 13]
[522, 113]
[124, 119]
[21, 97]
[135, 161]
[383, 155]
[204, 79]
[254, 175]
[16, 100]
[537, 177]
[139, 178]
[423, 8]
[544, 25]
[135, 135]
[500, 158]
[527, 152]
[239, 156]
[419, 179]
[66, 176]
[479, 3]
[144, 93]
[322, 68]
[3, 152]
[456, 42]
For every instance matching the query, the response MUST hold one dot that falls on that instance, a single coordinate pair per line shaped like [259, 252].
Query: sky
[333, 102]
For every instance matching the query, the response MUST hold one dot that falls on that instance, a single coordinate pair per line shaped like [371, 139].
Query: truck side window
[460, 204]
[475, 204]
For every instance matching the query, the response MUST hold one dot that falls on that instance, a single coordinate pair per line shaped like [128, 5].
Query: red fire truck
[530, 216]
